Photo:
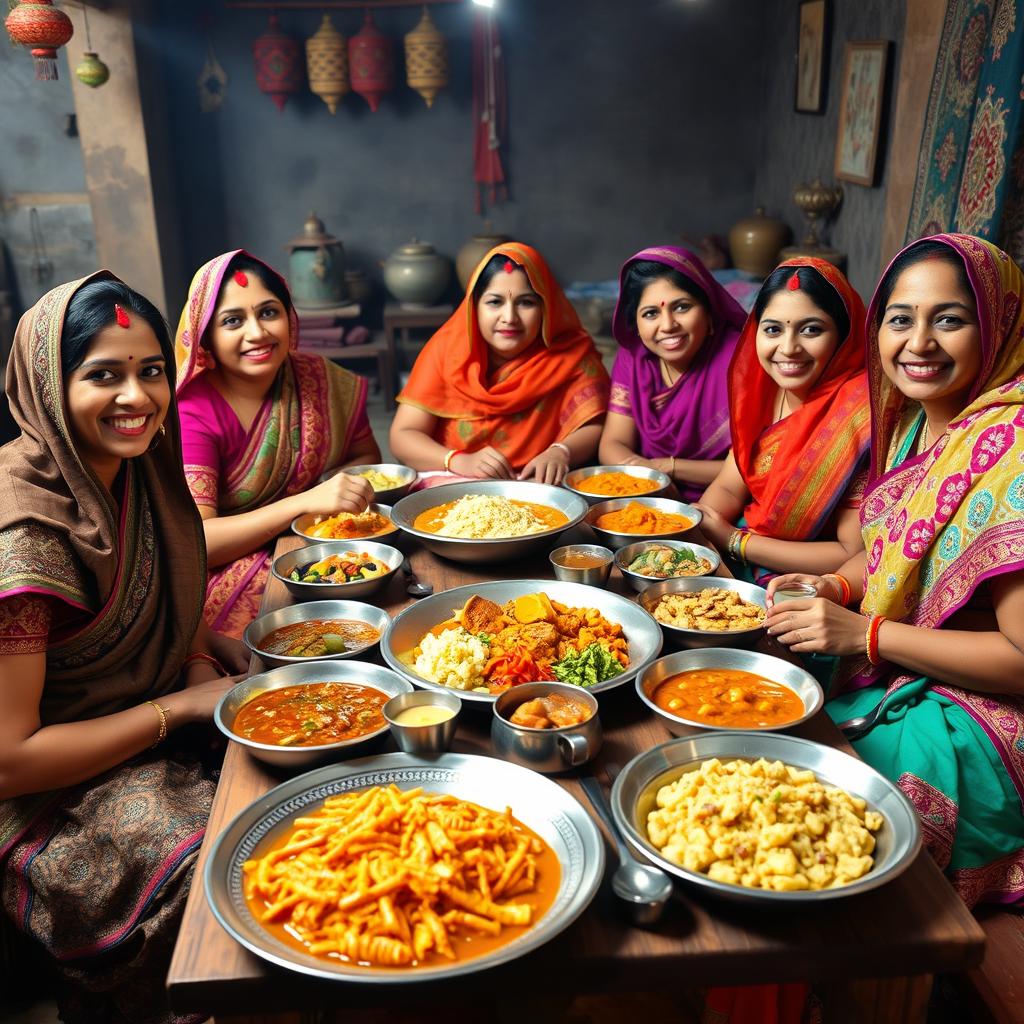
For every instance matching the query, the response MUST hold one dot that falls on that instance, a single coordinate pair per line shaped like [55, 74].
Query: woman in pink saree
[260, 424]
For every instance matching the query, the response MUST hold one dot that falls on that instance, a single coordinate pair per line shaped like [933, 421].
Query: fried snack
[390, 878]
[715, 609]
[763, 825]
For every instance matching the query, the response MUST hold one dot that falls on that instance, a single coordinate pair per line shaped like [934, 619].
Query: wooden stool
[379, 348]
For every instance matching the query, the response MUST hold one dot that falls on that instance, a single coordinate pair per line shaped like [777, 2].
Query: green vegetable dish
[592, 665]
[664, 563]
[350, 567]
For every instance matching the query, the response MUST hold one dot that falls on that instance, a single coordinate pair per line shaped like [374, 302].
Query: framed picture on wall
[811, 47]
[860, 110]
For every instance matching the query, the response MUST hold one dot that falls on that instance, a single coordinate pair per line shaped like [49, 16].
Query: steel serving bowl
[383, 679]
[409, 626]
[259, 628]
[639, 582]
[537, 802]
[300, 524]
[389, 495]
[613, 540]
[634, 792]
[284, 565]
[802, 683]
[681, 637]
[484, 552]
[574, 478]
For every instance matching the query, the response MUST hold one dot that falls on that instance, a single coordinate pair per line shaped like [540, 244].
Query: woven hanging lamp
[426, 59]
[327, 64]
[278, 60]
[371, 62]
[38, 25]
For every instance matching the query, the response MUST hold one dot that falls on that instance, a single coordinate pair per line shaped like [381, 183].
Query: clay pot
[754, 243]
[91, 71]
[359, 285]
[416, 274]
[472, 252]
[316, 267]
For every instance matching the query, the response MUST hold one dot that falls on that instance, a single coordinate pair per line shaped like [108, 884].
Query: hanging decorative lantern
[278, 60]
[38, 25]
[91, 71]
[371, 61]
[327, 64]
[426, 59]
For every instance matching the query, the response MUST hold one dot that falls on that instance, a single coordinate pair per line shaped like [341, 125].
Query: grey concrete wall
[630, 124]
[40, 166]
[799, 147]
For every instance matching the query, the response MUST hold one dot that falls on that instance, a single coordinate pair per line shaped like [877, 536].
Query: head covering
[693, 421]
[537, 398]
[936, 525]
[136, 572]
[199, 309]
[816, 449]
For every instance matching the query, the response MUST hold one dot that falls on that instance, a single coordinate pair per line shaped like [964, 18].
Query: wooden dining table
[870, 957]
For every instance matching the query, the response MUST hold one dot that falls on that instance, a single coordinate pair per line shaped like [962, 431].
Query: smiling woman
[260, 424]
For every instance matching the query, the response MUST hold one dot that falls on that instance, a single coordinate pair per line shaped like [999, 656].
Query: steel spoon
[413, 587]
[854, 728]
[645, 890]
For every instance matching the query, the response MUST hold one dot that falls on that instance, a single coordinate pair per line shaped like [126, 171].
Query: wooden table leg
[879, 1000]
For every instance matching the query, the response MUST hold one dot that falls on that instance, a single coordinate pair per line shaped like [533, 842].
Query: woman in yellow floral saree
[937, 645]
[260, 424]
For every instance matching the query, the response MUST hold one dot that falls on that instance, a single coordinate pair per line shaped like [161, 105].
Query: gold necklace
[922, 441]
[668, 374]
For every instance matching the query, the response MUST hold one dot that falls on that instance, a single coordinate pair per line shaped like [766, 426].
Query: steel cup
[594, 577]
[421, 740]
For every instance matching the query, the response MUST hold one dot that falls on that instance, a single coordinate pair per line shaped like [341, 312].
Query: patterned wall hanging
[489, 109]
[38, 25]
[279, 64]
[327, 64]
[426, 59]
[371, 61]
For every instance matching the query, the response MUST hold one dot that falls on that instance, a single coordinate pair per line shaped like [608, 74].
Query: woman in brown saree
[103, 655]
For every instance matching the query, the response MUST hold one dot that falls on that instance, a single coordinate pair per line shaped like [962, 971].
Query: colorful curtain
[970, 175]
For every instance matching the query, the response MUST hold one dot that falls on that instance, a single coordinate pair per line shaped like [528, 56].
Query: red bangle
[845, 590]
[871, 639]
[203, 656]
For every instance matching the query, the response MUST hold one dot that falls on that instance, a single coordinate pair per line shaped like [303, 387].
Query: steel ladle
[645, 890]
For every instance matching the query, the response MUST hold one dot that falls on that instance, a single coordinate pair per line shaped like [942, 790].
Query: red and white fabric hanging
[490, 116]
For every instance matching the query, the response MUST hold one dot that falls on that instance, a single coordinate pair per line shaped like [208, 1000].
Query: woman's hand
[341, 493]
[715, 526]
[231, 653]
[549, 467]
[825, 588]
[488, 462]
[197, 701]
[817, 626]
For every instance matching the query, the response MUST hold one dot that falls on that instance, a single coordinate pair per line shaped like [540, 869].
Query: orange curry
[617, 484]
[637, 518]
[728, 698]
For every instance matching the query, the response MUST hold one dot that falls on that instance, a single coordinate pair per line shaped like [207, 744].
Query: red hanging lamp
[43, 28]
[371, 63]
[279, 63]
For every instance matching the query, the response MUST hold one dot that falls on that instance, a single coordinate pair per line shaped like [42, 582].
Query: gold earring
[157, 439]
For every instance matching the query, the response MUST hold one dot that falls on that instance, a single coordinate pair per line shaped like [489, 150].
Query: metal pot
[316, 267]
[416, 274]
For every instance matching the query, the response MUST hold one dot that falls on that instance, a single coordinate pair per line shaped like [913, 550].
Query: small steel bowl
[383, 679]
[596, 576]
[615, 540]
[300, 524]
[639, 582]
[572, 481]
[679, 637]
[389, 495]
[284, 565]
[802, 683]
[259, 628]
[424, 740]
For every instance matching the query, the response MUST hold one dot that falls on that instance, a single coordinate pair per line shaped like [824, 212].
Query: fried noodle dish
[394, 879]
[488, 648]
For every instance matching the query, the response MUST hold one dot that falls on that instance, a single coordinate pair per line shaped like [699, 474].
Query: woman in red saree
[511, 386]
[260, 424]
[786, 498]
[103, 652]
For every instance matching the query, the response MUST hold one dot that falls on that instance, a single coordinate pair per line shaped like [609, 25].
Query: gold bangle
[162, 712]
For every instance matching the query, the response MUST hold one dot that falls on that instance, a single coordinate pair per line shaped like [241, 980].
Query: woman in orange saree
[511, 386]
[260, 424]
[786, 498]
[103, 653]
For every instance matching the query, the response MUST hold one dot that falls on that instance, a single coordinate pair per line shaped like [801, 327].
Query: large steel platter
[542, 805]
[487, 552]
[407, 628]
[634, 792]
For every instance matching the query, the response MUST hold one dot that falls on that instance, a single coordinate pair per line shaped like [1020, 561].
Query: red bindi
[122, 316]
[509, 266]
[793, 284]
[130, 358]
[241, 279]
